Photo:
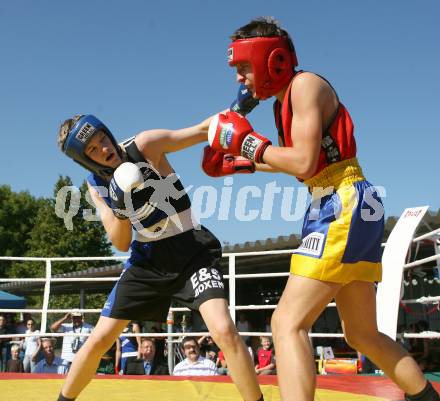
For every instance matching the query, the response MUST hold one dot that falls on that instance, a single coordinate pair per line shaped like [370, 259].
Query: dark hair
[151, 340]
[261, 26]
[65, 128]
[187, 340]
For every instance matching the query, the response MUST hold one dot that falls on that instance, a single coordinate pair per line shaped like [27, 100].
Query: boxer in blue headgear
[170, 260]
[79, 137]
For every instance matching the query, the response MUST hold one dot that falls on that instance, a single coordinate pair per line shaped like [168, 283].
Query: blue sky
[139, 65]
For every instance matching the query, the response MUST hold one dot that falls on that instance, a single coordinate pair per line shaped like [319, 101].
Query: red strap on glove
[218, 164]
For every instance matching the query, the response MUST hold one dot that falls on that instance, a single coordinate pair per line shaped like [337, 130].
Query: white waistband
[128, 354]
[167, 227]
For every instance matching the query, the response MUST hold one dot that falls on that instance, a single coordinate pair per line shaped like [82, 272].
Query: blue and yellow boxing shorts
[343, 227]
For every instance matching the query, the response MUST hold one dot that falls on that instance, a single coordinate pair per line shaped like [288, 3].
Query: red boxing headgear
[272, 58]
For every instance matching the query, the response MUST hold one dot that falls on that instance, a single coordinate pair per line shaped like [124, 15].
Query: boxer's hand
[245, 102]
[217, 164]
[125, 178]
[233, 133]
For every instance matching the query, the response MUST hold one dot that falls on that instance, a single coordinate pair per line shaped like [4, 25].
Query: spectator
[30, 345]
[50, 363]
[365, 366]
[21, 326]
[106, 365]
[222, 366]
[149, 363]
[10, 323]
[71, 344]
[265, 358]
[208, 348]
[15, 364]
[194, 364]
[3, 343]
[267, 326]
[243, 325]
[159, 341]
[127, 347]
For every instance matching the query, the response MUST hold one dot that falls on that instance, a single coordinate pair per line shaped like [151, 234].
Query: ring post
[43, 327]
[170, 356]
[393, 260]
[232, 286]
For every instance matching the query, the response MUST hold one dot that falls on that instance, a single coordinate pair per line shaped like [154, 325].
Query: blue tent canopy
[11, 301]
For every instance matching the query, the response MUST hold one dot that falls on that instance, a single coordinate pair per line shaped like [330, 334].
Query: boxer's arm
[137, 329]
[265, 168]
[160, 141]
[56, 325]
[119, 231]
[301, 160]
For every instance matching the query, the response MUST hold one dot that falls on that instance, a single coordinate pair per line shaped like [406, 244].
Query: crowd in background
[194, 356]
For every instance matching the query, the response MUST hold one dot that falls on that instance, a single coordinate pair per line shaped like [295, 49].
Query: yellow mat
[151, 390]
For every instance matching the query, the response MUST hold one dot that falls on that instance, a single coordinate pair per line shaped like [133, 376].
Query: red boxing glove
[217, 164]
[232, 132]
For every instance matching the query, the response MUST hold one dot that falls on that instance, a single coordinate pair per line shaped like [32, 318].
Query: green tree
[18, 211]
[51, 237]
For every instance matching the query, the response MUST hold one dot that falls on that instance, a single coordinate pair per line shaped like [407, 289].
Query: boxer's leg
[358, 298]
[87, 359]
[216, 315]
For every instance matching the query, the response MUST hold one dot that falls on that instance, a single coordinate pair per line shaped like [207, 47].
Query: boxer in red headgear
[340, 255]
[272, 59]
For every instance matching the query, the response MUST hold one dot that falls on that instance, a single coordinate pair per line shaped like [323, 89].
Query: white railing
[232, 276]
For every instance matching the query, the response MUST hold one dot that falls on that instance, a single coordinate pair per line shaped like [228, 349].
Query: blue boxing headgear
[78, 138]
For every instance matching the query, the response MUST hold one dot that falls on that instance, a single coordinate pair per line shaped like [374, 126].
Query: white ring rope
[424, 334]
[422, 261]
[172, 309]
[164, 335]
[429, 300]
[422, 300]
[427, 235]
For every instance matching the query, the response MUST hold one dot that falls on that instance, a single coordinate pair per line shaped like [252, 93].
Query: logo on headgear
[85, 132]
[230, 54]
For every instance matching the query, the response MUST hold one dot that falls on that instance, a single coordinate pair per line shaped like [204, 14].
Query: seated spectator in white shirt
[50, 363]
[194, 364]
[72, 344]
